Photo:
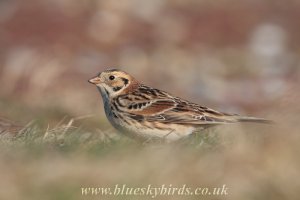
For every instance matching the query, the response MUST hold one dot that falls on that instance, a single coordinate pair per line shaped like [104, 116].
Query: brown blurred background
[237, 56]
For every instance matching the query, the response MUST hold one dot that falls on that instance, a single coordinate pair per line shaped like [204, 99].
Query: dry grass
[255, 162]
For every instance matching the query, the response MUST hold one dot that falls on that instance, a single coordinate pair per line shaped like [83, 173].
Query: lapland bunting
[143, 112]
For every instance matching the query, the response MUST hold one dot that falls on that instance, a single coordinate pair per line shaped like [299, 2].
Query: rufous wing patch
[152, 108]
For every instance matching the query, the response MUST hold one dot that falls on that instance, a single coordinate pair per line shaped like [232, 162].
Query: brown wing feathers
[158, 106]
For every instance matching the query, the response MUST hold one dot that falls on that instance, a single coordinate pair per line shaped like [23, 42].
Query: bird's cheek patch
[116, 89]
[126, 81]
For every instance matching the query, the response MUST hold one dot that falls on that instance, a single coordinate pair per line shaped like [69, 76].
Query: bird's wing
[144, 105]
[157, 106]
[186, 113]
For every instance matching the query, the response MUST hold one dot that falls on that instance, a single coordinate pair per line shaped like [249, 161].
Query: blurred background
[232, 55]
[236, 56]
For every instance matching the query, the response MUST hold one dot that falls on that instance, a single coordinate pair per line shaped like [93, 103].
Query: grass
[69, 139]
[254, 162]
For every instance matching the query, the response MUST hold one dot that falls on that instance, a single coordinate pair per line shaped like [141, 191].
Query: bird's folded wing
[167, 110]
[187, 118]
[146, 107]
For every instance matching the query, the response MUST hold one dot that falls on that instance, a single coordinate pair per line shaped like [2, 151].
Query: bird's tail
[254, 120]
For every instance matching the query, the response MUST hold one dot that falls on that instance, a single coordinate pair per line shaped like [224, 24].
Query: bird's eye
[111, 78]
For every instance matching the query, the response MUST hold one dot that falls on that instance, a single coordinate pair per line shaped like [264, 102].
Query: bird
[145, 113]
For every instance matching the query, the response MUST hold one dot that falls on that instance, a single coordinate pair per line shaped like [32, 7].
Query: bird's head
[114, 82]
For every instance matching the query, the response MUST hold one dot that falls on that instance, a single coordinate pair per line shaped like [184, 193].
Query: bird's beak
[95, 80]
